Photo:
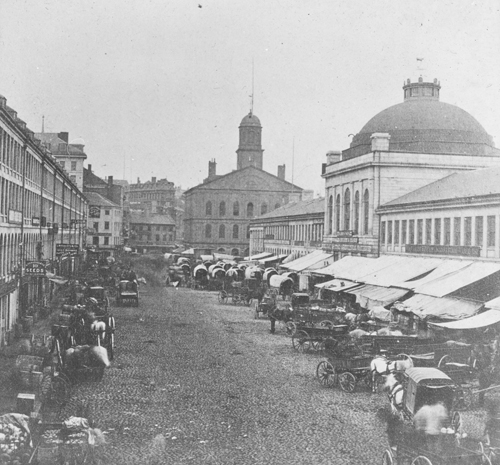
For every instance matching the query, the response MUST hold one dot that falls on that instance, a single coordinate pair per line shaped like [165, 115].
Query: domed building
[399, 150]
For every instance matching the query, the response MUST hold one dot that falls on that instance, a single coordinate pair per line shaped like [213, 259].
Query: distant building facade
[42, 226]
[293, 229]
[218, 212]
[150, 232]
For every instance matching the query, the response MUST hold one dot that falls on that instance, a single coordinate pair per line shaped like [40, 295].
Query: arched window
[221, 250]
[347, 209]
[208, 208]
[250, 210]
[263, 209]
[208, 231]
[236, 231]
[222, 208]
[356, 213]
[235, 252]
[337, 213]
[366, 211]
[222, 231]
[330, 214]
[236, 208]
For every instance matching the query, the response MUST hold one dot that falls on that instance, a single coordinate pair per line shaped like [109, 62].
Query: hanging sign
[34, 269]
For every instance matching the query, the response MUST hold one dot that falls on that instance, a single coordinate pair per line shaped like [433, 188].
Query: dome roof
[250, 120]
[425, 125]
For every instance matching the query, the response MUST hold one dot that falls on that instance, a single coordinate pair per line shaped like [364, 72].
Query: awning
[337, 285]
[343, 266]
[273, 258]
[369, 296]
[494, 303]
[207, 258]
[446, 308]
[459, 279]
[258, 256]
[58, 280]
[188, 252]
[487, 318]
[316, 259]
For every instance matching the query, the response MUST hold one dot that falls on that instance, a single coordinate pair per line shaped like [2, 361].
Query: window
[208, 231]
[222, 231]
[96, 227]
[382, 232]
[437, 231]
[236, 231]
[106, 225]
[263, 209]
[106, 212]
[396, 232]
[208, 208]
[479, 231]
[356, 213]
[468, 230]
[164, 238]
[447, 231]
[411, 235]
[457, 235]
[420, 231]
[337, 213]
[95, 240]
[73, 166]
[236, 209]
[347, 209]
[366, 211]
[491, 220]
[157, 238]
[250, 210]
[428, 231]
[248, 232]
[330, 214]
[389, 232]
[404, 239]
[222, 209]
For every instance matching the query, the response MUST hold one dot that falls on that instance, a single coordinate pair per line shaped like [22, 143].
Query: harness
[394, 390]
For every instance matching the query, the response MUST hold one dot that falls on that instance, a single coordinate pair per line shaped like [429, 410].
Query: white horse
[396, 392]
[382, 366]
[99, 328]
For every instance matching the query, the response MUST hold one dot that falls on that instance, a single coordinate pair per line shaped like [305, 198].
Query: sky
[159, 87]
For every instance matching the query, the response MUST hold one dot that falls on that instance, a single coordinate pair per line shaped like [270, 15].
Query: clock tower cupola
[250, 152]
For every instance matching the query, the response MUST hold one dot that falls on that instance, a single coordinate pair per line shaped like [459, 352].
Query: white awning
[337, 285]
[369, 296]
[343, 266]
[458, 279]
[258, 256]
[316, 259]
[487, 318]
[273, 258]
[446, 308]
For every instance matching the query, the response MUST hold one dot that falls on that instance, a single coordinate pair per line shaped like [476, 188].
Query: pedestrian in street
[272, 318]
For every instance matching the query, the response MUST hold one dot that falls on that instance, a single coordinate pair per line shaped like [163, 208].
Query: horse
[98, 328]
[396, 393]
[382, 366]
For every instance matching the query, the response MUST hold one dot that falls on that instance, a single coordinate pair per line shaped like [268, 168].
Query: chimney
[89, 167]
[110, 180]
[281, 172]
[380, 141]
[64, 136]
[3, 101]
[212, 168]
[153, 180]
[138, 180]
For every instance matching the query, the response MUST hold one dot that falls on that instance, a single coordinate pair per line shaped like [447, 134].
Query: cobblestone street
[222, 390]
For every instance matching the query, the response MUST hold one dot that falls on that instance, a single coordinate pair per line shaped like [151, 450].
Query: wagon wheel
[326, 324]
[485, 460]
[387, 458]
[456, 421]
[235, 298]
[55, 390]
[222, 296]
[444, 360]
[421, 460]
[300, 341]
[347, 381]
[325, 374]
[291, 328]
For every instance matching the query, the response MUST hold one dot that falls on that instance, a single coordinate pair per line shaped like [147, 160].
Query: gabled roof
[245, 172]
[54, 140]
[90, 179]
[463, 185]
[97, 199]
[303, 207]
[139, 218]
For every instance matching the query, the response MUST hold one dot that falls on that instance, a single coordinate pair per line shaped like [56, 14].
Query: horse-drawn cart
[306, 338]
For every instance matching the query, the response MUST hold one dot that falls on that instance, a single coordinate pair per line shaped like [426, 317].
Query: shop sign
[15, 217]
[67, 249]
[465, 251]
[77, 221]
[348, 248]
[35, 221]
[34, 269]
[102, 234]
[345, 240]
[94, 211]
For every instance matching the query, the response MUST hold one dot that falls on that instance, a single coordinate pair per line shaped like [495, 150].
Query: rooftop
[303, 207]
[99, 200]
